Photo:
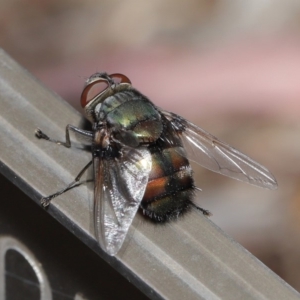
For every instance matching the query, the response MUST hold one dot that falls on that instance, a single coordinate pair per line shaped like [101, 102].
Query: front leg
[83, 133]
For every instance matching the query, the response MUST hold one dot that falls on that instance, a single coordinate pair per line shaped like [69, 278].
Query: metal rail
[188, 259]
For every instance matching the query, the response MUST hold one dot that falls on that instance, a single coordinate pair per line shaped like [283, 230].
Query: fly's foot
[41, 135]
[205, 212]
[45, 201]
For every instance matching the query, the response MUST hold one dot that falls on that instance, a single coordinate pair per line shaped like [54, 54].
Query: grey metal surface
[188, 259]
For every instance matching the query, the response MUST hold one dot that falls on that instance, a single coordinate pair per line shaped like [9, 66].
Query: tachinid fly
[140, 159]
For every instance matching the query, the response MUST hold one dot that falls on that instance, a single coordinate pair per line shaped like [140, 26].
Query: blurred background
[231, 67]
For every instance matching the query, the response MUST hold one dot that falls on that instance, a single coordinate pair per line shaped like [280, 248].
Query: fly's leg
[204, 211]
[87, 135]
[84, 133]
[45, 201]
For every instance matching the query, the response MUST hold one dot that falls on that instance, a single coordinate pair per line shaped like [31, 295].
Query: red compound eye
[92, 90]
[119, 78]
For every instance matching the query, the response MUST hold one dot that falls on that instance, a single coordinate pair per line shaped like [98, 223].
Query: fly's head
[97, 88]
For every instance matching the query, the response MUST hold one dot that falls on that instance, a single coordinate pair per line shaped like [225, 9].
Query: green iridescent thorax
[89, 109]
[131, 111]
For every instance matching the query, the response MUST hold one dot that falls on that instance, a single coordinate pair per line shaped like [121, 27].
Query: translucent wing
[119, 188]
[209, 152]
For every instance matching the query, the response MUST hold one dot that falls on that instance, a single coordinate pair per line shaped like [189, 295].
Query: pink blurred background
[230, 67]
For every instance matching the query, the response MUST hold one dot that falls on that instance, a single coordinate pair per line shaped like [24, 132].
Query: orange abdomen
[170, 186]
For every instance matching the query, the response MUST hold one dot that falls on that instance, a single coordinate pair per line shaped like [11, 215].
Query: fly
[140, 157]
